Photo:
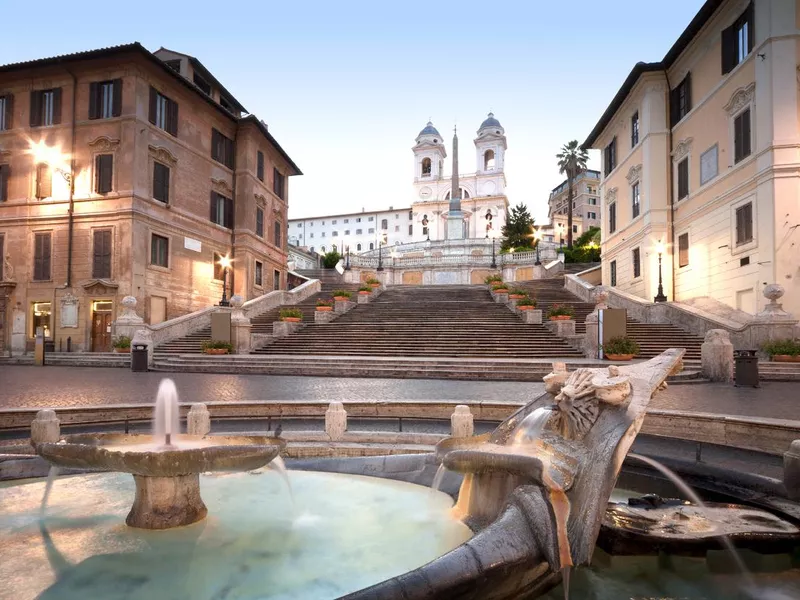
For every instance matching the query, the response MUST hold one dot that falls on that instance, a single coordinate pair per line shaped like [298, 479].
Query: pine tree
[518, 229]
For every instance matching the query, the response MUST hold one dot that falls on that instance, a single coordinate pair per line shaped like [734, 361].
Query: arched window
[426, 167]
[358, 247]
[384, 223]
[464, 194]
[372, 246]
[322, 248]
[488, 160]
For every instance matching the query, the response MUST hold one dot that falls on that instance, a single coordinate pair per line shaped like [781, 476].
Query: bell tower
[429, 155]
[490, 154]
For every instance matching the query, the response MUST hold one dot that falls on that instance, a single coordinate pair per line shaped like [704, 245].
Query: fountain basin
[167, 477]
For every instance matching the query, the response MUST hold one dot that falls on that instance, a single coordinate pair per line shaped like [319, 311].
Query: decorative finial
[491, 114]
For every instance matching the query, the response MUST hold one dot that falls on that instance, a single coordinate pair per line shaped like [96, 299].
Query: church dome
[429, 130]
[490, 122]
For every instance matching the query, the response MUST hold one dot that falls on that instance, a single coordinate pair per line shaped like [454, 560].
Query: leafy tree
[571, 162]
[331, 258]
[590, 235]
[518, 229]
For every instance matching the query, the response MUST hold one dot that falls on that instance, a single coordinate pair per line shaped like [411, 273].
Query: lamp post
[380, 254]
[347, 259]
[494, 237]
[537, 236]
[660, 297]
[225, 263]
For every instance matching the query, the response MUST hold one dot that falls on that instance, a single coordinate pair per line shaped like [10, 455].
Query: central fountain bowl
[166, 476]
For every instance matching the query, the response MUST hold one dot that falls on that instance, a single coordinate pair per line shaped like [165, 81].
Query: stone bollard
[240, 327]
[791, 471]
[364, 298]
[282, 329]
[342, 306]
[198, 421]
[46, 427]
[501, 298]
[335, 421]
[531, 317]
[717, 356]
[562, 329]
[461, 425]
[324, 316]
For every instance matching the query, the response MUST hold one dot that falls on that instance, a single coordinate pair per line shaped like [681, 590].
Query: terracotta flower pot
[375, 285]
[515, 296]
[561, 318]
[785, 358]
[291, 319]
[526, 307]
[364, 293]
[324, 308]
[501, 291]
[215, 351]
[619, 356]
[341, 298]
[123, 350]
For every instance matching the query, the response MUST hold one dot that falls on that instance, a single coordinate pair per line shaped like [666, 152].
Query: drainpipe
[71, 210]
[670, 187]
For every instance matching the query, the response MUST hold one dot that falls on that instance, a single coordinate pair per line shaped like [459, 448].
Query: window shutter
[158, 186]
[56, 106]
[165, 184]
[153, 103]
[728, 49]
[117, 108]
[229, 213]
[172, 118]
[104, 164]
[260, 165]
[44, 182]
[750, 13]
[36, 109]
[673, 106]
[97, 255]
[213, 207]
[745, 133]
[5, 174]
[9, 111]
[688, 83]
[229, 153]
[214, 144]
[94, 93]
[46, 256]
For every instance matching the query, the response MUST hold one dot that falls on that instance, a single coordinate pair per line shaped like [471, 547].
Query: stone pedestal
[284, 328]
[717, 356]
[531, 317]
[324, 316]
[128, 323]
[591, 344]
[364, 298]
[342, 306]
[791, 471]
[461, 424]
[500, 298]
[539, 272]
[46, 427]
[455, 225]
[335, 421]
[198, 421]
[562, 329]
[164, 502]
[240, 327]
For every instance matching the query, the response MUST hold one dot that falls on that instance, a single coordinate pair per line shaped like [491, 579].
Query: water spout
[51, 477]
[279, 467]
[531, 427]
[437, 479]
[166, 418]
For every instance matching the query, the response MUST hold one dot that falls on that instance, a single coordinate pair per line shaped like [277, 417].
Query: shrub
[330, 259]
[527, 301]
[371, 280]
[496, 278]
[775, 347]
[324, 302]
[518, 292]
[122, 342]
[217, 345]
[499, 286]
[621, 345]
[583, 254]
[342, 293]
[561, 310]
[295, 313]
[365, 288]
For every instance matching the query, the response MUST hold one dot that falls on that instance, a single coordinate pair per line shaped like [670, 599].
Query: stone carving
[5, 154]
[221, 186]
[129, 309]
[45, 428]
[600, 298]
[261, 199]
[611, 195]
[682, 149]
[198, 420]
[143, 337]
[162, 154]
[8, 269]
[740, 98]
[99, 287]
[69, 310]
[556, 380]
[104, 144]
[774, 310]
[634, 173]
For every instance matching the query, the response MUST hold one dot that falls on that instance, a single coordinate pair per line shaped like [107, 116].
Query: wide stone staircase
[426, 321]
[653, 338]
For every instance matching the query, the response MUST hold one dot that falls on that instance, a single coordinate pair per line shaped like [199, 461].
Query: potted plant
[517, 294]
[620, 348]
[561, 312]
[490, 279]
[342, 295]
[783, 350]
[526, 303]
[122, 345]
[324, 305]
[499, 288]
[291, 315]
[364, 290]
[374, 283]
[217, 347]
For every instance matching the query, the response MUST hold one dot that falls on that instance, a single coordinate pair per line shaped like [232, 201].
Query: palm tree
[571, 161]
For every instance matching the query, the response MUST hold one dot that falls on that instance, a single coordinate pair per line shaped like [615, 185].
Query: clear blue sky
[346, 86]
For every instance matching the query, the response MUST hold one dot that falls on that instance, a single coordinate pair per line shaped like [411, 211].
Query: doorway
[102, 312]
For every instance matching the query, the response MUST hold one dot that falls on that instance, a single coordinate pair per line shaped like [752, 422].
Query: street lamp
[493, 235]
[381, 241]
[660, 297]
[225, 263]
[537, 236]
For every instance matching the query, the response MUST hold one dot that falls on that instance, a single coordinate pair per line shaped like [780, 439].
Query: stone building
[585, 207]
[700, 160]
[126, 172]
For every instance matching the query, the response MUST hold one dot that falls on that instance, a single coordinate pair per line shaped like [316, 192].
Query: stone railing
[446, 260]
[256, 306]
[483, 246]
[771, 323]
[180, 326]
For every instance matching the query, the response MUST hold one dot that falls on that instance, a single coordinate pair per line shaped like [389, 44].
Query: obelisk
[455, 218]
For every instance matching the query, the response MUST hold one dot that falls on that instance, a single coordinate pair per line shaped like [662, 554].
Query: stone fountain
[165, 465]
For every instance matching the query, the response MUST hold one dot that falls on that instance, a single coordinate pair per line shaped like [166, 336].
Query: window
[2, 240]
[227, 104]
[202, 84]
[278, 234]
[103, 170]
[299, 225]
[593, 201]
[45, 107]
[347, 232]
[411, 230]
[683, 178]
[347, 220]
[159, 250]
[384, 223]
[260, 165]
[278, 184]
[612, 217]
[311, 235]
[259, 274]
[358, 247]
[637, 263]
[41, 256]
[161, 182]
[683, 250]
[221, 148]
[5, 175]
[741, 136]
[335, 234]
[737, 40]
[323, 222]
[426, 167]
[610, 157]
[334, 222]
[744, 224]
[219, 272]
[41, 318]
[488, 160]
[709, 164]
[371, 246]
[591, 215]
[634, 129]
[397, 227]
[574, 229]
[175, 65]
[358, 219]
[635, 206]
[6, 112]
[221, 210]
[370, 219]
[323, 234]
[276, 278]
[44, 181]
[371, 230]
[680, 100]
[410, 215]
[163, 112]
[359, 231]
[259, 221]
[101, 260]
[613, 273]
[396, 216]
[105, 99]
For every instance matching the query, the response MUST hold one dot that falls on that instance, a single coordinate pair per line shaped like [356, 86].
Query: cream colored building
[701, 151]
[585, 207]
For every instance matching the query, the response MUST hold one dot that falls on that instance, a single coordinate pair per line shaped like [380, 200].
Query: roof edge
[255, 121]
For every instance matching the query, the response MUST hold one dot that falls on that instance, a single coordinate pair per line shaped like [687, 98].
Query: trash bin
[746, 368]
[139, 358]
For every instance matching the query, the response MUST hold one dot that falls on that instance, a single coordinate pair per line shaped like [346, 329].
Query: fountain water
[279, 467]
[437, 479]
[166, 418]
[531, 428]
[51, 477]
